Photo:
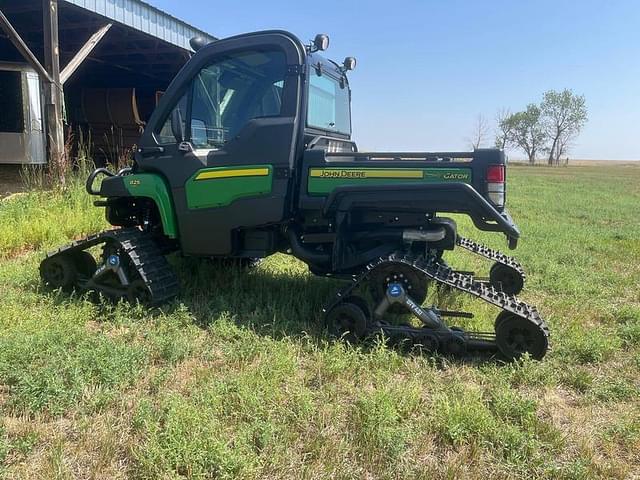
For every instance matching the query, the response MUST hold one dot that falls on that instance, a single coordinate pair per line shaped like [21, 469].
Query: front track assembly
[519, 329]
[133, 267]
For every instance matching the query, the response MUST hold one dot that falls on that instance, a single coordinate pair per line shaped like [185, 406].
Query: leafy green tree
[563, 116]
[527, 131]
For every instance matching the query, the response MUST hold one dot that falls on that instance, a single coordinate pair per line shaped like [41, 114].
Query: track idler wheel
[516, 336]
[455, 345]
[85, 263]
[59, 271]
[137, 291]
[506, 279]
[348, 320]
[427, 343]
[414, 283]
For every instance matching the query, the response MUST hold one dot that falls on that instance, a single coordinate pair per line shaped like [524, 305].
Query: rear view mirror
[177, 125]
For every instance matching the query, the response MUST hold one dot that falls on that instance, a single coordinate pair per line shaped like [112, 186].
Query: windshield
[229, 93]
[329, 107]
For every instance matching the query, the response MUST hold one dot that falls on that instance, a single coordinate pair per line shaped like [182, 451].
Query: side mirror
[177, 125]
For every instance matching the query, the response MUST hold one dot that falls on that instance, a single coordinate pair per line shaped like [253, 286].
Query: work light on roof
[321, 42]
[198, 42]
[349, 64]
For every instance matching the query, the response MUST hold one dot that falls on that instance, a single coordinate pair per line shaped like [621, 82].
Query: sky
[427, 69]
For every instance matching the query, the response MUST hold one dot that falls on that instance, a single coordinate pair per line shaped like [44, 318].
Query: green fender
[155, 187]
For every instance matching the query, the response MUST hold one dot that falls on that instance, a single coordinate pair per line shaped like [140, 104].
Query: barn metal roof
[145, 18]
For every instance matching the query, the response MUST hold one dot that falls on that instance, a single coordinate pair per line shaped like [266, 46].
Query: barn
[87, 71]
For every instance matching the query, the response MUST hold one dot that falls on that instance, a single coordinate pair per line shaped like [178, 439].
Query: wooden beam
[53, 88]
[22, 47]
[67, 27]
[83, 53]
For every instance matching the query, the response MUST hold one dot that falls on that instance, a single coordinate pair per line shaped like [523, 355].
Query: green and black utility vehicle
[249, 153]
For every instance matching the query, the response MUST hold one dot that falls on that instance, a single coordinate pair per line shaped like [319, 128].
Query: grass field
[237, 379]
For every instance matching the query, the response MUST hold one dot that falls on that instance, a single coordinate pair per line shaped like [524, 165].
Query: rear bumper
[512, 239]
[451, 197]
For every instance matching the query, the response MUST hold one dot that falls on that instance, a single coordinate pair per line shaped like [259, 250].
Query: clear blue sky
[426, 69]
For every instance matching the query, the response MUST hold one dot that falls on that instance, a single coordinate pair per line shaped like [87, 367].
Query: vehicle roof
[315, 59]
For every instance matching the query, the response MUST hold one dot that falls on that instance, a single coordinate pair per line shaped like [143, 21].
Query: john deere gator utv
[249, 152]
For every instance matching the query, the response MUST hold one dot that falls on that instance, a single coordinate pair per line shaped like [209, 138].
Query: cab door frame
[268, 141]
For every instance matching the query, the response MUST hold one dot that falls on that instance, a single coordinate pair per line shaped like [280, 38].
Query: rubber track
[490, 254]
[144, 255]
[441, 273]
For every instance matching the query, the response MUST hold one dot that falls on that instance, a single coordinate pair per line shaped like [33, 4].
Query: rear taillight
[495, 184]
[495, 173]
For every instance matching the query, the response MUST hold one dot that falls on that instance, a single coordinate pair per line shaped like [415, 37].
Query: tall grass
[43, 219]
[56, 208]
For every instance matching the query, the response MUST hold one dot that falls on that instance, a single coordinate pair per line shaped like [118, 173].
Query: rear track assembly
[519, 328]
[506, 274]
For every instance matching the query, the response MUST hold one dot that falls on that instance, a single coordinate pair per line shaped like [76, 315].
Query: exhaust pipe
[435, 235]
[408, 236]
[303, 253]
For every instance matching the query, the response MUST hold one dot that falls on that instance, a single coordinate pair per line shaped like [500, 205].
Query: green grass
[237, 379]
[44, 219]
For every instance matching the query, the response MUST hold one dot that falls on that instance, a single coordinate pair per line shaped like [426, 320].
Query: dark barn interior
[113, 91]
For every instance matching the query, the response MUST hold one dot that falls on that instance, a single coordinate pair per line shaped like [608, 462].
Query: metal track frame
[436, 270]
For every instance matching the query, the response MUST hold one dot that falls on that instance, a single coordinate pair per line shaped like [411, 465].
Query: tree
[527, 131]
[563, 115]
[504, 129]
[480, 132]
[564, 143]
